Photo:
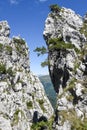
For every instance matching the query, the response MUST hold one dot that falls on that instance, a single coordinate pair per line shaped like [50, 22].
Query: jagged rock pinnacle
[22, 97]
[66, 37]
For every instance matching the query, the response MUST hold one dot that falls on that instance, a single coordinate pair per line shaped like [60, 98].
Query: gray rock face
[22, 97]
[66, 37]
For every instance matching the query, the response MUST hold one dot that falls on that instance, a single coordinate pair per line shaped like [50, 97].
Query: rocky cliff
[22, 97]
[65, 34]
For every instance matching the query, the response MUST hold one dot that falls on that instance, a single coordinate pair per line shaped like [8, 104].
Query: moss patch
[41, 103]
[29, 105]
[2, 69]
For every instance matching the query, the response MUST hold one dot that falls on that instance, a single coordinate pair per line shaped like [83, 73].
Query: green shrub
[58, 43]
[76, 66]
[19, 46]
[42, 124]
[9, 49]
[55, 8]
[45, 63]
[19, 41]
[9, 71]
[29, 105]
[39, 125]
[16, 117]
[55, 44]
[69, 98]
[41, 103]
[76, 122]
[2, 69]
[40, 51]
[1, 46]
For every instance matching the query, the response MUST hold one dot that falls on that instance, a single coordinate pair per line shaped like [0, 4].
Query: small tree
[40, 50]
[55, 8]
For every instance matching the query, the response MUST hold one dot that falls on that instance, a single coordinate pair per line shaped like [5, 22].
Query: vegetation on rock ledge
[55, 44]
[55, 8]
[43, 125]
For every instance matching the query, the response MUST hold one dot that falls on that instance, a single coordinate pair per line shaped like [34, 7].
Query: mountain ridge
[48, 87]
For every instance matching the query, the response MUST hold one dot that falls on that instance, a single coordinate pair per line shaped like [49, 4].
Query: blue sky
[27, 18]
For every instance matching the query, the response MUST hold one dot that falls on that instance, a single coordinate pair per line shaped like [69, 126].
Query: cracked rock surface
[22, 97]
[65, 34]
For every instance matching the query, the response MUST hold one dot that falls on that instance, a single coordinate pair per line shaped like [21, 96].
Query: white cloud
[42, 0]
[14, 1]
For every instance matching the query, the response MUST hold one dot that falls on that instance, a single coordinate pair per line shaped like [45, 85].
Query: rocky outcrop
[66, 36]
[22, 97]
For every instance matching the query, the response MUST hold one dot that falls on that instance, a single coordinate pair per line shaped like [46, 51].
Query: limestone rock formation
[65, 34]
[22, 97]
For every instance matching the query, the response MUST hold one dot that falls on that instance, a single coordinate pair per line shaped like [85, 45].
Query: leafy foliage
[19, 44]
[29, 104]
[45, 63]
[20, 49]
[69, 87]
[58, 43]
[55, 8]
[9, 49]
[16, 117]
[41, 103]
[19, 41]
[55, 44]
[2, 69]
[43, 125]
[76, 123]
[9, 71]
[41, 51]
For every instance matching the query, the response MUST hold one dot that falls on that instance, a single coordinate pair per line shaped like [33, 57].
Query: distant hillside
[46, 81]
